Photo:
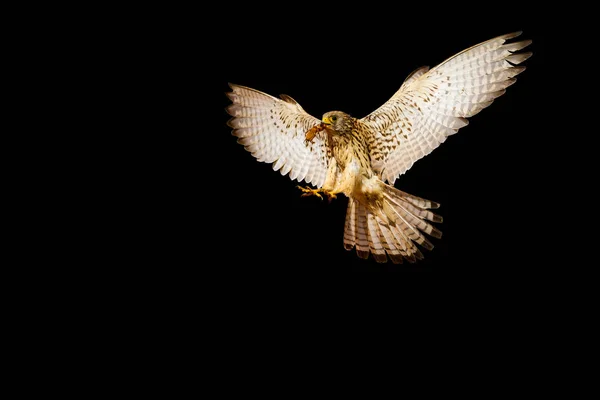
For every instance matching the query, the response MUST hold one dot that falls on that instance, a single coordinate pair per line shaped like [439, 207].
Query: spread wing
[433, 104]
[273, 130]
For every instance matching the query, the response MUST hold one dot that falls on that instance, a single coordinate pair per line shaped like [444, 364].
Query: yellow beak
[327, 120]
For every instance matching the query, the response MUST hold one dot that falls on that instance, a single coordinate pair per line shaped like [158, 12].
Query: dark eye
[333, 118]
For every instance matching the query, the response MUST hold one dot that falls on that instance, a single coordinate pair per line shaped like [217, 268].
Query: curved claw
[330, 195]
[310, 192]
[317, 192]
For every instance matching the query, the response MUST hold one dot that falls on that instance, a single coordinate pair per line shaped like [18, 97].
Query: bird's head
[338, 122]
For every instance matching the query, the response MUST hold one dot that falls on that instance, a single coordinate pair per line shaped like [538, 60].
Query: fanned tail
[391, 227]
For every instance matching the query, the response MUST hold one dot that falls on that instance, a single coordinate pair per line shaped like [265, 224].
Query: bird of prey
[362, 158]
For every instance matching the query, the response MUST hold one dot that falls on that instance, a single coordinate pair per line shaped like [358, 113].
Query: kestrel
[362, 158]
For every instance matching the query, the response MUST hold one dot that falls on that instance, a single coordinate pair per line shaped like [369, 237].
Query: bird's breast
[353, 168]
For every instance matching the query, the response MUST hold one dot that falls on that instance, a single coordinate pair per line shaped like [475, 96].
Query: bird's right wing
[273, 130]
[433, 104]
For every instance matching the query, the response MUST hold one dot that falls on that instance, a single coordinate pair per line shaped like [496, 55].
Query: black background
[197, 232]
[209, 230]
[490, 178]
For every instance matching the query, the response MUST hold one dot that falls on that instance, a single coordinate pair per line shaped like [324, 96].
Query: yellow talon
[317, 192]
[330, 195]
[310, 192]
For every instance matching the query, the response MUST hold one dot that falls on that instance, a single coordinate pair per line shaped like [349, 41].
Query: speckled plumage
[362, 158]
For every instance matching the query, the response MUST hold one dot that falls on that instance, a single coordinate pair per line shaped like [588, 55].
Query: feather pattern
[433, 104]
[273, 130]
[393, 230]
[356, 157]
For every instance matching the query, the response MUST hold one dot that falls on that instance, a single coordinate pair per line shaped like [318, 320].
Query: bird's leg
[330, 188]
[310, 192]
[317, 192]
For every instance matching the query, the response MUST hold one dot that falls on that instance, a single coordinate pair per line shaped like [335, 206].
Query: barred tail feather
[393, 229]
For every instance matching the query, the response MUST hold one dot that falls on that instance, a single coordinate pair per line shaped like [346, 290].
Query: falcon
[362, 158]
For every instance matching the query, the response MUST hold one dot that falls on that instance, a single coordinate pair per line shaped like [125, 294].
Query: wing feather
[273, 130]
[433, 104]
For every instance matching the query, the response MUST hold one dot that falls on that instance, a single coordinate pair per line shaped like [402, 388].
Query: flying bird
[362, 158]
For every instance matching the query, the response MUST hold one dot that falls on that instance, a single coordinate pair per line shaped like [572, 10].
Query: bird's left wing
[433, 104]
[273, 130]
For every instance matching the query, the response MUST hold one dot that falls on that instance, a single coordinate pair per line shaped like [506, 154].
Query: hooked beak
[327, 120]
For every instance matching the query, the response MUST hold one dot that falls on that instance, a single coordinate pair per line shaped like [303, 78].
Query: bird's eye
[333, 118]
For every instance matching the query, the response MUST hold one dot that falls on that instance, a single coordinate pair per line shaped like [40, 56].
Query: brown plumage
[380, 218]
[362, 158]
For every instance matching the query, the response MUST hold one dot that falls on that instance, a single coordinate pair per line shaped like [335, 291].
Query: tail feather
[376, 239]
[362, 234]
[350, 227]
[410, 225]
[413, 251]
[417, 201]
[390, 244]
[405, 243]
[392, 228]
[410, 207]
